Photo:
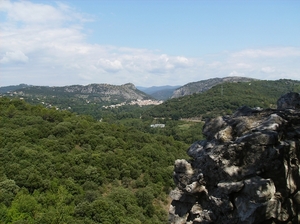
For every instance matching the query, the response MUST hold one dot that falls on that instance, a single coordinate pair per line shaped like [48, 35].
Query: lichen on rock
[246, 171]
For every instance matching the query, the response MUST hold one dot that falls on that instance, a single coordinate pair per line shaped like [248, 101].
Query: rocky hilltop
[204, 85]
[246, 171]
[126, 92]
[91, 92]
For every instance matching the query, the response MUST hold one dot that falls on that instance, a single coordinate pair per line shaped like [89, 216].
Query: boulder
[290, 100]
[246, 171]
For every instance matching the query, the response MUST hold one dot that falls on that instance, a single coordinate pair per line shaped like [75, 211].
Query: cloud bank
[46, 45]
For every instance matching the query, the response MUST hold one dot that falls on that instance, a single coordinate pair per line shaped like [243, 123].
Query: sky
[147, 42]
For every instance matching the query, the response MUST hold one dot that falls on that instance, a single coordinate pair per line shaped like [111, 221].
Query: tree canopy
[59, 167]
[225, 98]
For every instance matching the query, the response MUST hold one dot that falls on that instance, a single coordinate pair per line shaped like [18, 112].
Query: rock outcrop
[246, 171]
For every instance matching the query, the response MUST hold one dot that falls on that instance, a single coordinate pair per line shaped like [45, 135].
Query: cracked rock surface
[246, 171]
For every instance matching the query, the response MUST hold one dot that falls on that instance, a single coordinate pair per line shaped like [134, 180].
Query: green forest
[60, 167]
[225, 98]
[90, 165]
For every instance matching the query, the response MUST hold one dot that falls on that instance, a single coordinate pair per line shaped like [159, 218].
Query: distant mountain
[159, 92]
[6, 89]
[204, 85]
[163, 94]
[100, 94]
[153, 89]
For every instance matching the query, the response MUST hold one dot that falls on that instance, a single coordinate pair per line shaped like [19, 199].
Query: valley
[105, 153]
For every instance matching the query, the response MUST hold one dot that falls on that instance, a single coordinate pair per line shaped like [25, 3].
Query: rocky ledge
[246, 171]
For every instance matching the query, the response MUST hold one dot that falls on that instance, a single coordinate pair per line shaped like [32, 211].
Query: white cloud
[48, 41]
[109, 66]
[14, 56]
[27, 12]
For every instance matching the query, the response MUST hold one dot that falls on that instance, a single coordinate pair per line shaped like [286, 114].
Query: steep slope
[159, 92]
[163, 94]
[204, 85]
[225, 98]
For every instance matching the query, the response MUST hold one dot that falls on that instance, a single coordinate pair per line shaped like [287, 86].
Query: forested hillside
[58, 167]
[75, 97]
[225, 98]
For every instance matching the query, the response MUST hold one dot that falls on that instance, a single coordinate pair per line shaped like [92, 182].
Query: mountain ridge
[204, 85]
[159, 92]
[96, 92]
[81, 98]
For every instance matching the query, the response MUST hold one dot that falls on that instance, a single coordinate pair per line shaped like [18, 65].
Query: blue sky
[148, 43]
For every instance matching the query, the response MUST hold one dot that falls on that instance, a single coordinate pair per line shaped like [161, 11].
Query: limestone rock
[246, 171]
